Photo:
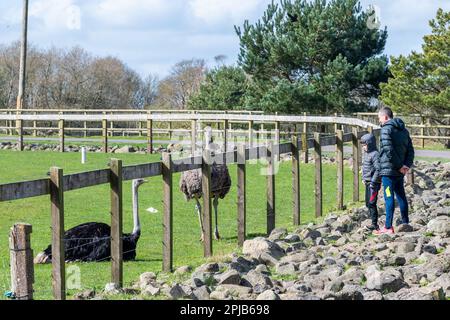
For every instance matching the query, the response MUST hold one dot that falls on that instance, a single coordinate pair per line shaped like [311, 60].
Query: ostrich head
[136, 183]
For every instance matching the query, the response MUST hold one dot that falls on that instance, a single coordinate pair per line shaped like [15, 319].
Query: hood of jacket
[396, 123]
[369, 139]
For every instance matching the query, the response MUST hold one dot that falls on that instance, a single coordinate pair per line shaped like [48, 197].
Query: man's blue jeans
[394, 186]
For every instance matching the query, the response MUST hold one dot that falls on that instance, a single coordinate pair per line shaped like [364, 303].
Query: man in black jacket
[396, 159]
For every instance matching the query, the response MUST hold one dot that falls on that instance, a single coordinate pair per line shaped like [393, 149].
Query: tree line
[314, 56]
[75, 79]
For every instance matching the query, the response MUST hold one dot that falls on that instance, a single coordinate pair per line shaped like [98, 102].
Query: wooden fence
[422, 127]
[58, 184]
[301, 125]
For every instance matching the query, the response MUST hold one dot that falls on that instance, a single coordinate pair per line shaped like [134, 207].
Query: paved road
[419, 153]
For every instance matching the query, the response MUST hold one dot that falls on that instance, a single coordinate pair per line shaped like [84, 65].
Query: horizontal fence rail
[57, 184]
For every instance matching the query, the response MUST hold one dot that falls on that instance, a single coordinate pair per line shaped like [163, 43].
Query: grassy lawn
[92, 204]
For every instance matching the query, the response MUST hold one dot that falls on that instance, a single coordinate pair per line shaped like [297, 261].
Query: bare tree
[184, 80]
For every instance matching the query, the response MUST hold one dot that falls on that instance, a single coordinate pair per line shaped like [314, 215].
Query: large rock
[260, 282]
[262, 247]
[277, 234]
[233, 290]
[201, 293]
[125, 149]
[444, 282]
[350, 292]
[439, 226]
[268, 295]
[243, 265]
[230, 277]
[146, 279]
[176, 292]
[405, 247]
[112, 289]
[420, 294]
[436, 266]
[388, 280]
[373, 295]
[286, 269]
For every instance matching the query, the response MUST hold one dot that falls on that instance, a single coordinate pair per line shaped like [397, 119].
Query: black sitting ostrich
[91, 241]
[191, 186]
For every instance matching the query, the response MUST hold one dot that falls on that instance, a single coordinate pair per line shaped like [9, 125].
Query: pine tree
[420, 82]
[315, 56]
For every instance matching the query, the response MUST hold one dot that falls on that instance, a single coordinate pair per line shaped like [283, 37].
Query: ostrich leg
[216, 203]
[199, 212]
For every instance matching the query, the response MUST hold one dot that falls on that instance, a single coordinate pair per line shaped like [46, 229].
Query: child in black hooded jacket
[371, 177]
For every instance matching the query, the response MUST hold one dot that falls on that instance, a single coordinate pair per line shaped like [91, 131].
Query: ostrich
[92, 241]
[191, 186]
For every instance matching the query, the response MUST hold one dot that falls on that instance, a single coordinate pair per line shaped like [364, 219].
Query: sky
[151, 36]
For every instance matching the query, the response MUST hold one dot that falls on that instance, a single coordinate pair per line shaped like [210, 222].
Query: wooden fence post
[318, 174]
[116, 222]
[150, 136]
[22, 269]
[270, 188]
[340, 169]
[105, 135]
[241, 193]
[20, 131]
[169, 128]
[250, 134]
[85, 126]
[111, 126]
[356, 148]
[35, 126]
[61, 135]
[422, 132]
[225, 136]
[305, 147]
[206, 190]
[296, 180]
[58, 253]
[193, 136]
[168, 212]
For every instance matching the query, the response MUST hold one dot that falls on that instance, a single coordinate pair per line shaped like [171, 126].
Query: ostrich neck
[136, 222]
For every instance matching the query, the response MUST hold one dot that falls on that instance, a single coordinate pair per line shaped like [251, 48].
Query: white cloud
[132, 12]
[56, 14]
[216, 12]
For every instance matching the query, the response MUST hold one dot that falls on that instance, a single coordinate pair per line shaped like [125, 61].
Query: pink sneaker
[383, 231]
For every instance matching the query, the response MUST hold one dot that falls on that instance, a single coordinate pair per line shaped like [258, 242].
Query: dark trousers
[394, 186]
[371, 201]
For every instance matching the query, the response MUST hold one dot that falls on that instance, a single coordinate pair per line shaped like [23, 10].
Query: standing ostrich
[191, 186]
[92, 241]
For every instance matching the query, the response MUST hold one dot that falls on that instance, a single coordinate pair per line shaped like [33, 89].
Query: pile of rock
[336, 259]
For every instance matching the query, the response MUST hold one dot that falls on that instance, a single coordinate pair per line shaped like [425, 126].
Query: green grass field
[92, 204]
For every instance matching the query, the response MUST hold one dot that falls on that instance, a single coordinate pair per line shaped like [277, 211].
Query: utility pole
[23, 60]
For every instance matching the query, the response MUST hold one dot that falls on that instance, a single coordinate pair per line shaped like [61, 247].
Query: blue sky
[152, 35]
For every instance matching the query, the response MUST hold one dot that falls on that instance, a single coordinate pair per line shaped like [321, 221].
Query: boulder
[268, 295]
[112, 289]
[388, 280]
[350, 292]
[440, 226]
[258, 246]
[286, 269]
[277, 234]
[405, 228]
[230, 277]
[146, 279]
[125, 149]
[85, 295]
[260, 282]
[150, 290]
[201, 293]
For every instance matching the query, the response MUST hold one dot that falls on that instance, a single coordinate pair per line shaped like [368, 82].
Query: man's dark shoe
[372, 228]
